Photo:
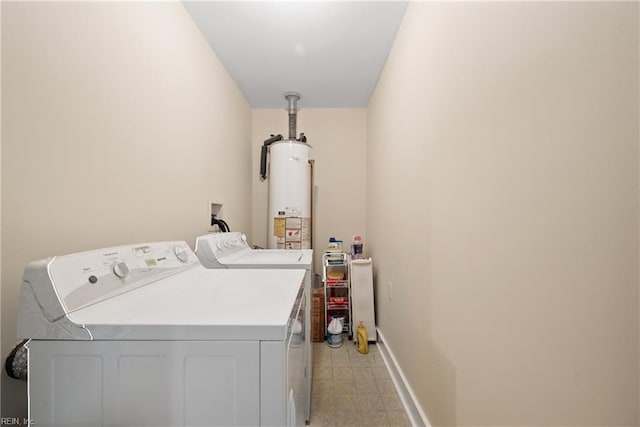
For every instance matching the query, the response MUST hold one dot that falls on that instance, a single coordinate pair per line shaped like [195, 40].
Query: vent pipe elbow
[263, 154]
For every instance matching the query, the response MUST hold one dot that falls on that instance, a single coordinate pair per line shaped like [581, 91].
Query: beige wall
[338, 138]
[502, 203]
[120, 125]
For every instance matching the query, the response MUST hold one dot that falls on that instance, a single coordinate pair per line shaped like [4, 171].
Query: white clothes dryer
[231, 251]
[144, 335]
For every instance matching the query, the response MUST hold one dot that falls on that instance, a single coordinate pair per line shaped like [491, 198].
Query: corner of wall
[0, 183]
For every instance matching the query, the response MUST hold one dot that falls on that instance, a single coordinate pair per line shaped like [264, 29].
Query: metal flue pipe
[292, 108]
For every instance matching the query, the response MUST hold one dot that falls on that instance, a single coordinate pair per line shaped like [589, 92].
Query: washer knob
[121, 269]
[181, 254]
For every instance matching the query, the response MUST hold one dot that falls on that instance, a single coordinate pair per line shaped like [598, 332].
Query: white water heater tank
[289, 209]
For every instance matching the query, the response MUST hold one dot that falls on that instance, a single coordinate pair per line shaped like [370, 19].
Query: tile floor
[353, 389]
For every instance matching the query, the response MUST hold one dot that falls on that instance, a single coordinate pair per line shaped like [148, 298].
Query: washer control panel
[86, 278]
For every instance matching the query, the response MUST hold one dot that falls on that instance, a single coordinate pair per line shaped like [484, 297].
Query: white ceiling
[331, 52]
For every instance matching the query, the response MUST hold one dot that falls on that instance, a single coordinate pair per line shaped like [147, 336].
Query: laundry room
[486, 152]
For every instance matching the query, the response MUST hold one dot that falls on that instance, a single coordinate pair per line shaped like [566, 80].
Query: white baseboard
[414, 411]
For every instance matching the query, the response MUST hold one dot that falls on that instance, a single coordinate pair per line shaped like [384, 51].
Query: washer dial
[181, 253]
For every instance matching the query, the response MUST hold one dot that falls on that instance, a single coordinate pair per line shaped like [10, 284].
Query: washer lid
[200, 304]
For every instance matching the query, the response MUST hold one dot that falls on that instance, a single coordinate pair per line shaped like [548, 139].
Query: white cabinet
[362, 307]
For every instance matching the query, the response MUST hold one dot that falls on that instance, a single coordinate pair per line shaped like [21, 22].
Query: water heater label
[292, 232]
[294, 223]
[293, 235]
[293, 211]
[279, 227]
[306, 233]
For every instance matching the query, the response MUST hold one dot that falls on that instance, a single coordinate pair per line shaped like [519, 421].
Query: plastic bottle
[334, 332]
[363, 339]
[356, 248]
[335, 243]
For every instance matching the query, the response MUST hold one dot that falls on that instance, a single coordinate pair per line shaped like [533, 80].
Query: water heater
[289, 175]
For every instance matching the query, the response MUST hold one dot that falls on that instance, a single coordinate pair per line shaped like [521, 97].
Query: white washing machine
[143, 335]
[231, 251]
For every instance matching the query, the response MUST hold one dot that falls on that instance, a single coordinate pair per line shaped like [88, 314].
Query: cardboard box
[317, 315]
